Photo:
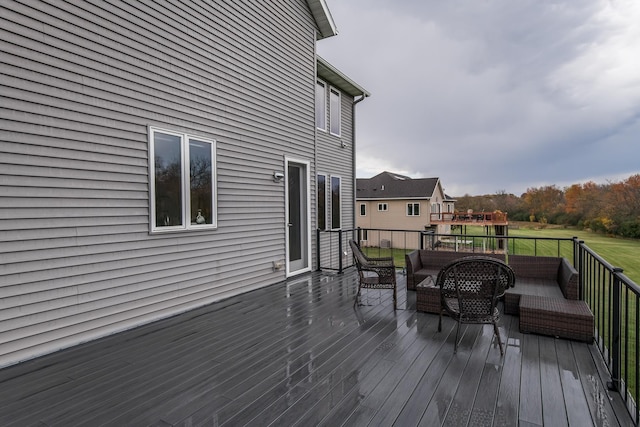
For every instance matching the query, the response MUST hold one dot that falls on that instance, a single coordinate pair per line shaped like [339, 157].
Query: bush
[630, 228]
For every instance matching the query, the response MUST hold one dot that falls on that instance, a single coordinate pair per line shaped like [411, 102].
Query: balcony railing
[613, 297]
[475, 218]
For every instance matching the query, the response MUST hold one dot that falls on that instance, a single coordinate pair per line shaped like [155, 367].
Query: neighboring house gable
[149, 157]
[397, 202]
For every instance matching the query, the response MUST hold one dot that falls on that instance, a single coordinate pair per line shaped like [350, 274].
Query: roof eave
[331, 74]
[324, 20]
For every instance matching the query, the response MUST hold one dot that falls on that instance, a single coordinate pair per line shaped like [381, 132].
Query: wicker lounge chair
[469, 291]
[374, 273]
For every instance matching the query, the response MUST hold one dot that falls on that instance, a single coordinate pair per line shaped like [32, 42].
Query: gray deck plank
[578, 413]
[508, 401]
[298, 353]
[530, 389]
[555, 407]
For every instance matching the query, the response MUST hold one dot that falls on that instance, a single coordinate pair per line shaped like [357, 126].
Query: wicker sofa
[546, 293]
[422, 263]
[550, 277]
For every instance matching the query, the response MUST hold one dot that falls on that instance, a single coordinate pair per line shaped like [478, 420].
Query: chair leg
[355, 300]
[395, 298]
[497, 332]
[440, 322]
[455, 346]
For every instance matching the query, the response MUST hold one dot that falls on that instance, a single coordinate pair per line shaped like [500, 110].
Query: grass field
[623, 253]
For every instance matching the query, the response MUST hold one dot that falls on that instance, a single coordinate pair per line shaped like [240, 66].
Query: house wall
[81, 83]
[394, 218]
[335, 158]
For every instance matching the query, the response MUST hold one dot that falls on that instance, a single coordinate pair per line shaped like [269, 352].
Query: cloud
[492, 95]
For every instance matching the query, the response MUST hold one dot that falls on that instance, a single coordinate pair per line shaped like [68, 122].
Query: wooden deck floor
[297, 353]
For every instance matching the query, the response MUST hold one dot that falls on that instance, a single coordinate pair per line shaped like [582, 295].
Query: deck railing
[613, 298]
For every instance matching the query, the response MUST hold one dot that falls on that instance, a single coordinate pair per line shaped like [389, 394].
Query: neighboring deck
[297, 353]
[470, 218]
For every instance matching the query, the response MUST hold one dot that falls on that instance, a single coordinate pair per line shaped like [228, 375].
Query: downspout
[353, 154]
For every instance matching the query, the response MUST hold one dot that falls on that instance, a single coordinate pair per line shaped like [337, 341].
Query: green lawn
[618, 252]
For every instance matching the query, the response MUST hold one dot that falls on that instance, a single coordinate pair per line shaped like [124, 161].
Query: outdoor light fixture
[278, 176]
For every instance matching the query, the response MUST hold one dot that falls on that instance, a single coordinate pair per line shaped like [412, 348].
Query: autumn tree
[544, 202]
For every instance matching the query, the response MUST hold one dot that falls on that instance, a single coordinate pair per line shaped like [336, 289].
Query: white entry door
[298, 226]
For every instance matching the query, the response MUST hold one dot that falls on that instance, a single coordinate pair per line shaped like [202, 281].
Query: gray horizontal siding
[335, 160]
[81, 82]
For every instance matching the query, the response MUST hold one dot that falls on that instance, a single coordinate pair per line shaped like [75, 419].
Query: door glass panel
[168, 179]
[295, 213]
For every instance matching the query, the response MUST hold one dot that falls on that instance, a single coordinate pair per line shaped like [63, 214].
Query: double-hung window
[334, 111]
[183, 184]
[322, 202]
[413, 209]
[363, 209]
[321, 106]
[336, 206]
[382, 207]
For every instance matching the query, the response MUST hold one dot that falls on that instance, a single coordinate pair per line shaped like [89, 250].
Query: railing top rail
[499, 236]
[633, 286]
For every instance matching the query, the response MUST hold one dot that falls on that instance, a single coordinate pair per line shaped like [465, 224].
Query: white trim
[307, 165]
[326, 201]
[185, 202]
[324, 103]
[331, 112]
[331, 198]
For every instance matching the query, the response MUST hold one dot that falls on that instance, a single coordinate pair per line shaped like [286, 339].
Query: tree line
[612, 208]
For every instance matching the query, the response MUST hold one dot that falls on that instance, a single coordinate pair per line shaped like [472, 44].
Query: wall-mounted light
[343, 144]
[278, 176]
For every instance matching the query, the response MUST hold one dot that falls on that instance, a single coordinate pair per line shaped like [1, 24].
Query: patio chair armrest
[384, 261]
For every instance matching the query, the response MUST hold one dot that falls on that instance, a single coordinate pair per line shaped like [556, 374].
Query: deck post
[318, 268]
[616, 304]
[340, 267]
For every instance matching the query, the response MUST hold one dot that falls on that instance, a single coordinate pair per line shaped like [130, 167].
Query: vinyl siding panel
[80, 84]
[336, 160]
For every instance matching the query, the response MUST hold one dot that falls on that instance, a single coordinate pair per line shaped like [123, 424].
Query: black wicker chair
[469, 291]
[374, 273]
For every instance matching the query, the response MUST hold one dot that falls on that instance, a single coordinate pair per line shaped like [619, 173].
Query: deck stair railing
[613, 297]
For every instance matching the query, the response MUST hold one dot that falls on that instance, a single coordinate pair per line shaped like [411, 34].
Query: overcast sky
[493, 95]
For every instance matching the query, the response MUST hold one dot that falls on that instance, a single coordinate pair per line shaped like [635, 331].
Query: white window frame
[411, 209]
[363, 208]
[321, 105]
[383, 207]
[333, 207]
[185, 203]
[335, 111]
[326, 203]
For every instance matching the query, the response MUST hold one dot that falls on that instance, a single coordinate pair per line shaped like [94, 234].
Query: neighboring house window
[322, 202]
[436, 209]
[363, 209]
[321, 106]
[336, 208]
[334, 112]
[413, 209]
[365, 234]
[383, 207]
[183, 190]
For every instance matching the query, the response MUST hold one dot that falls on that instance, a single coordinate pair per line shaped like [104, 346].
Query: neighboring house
[160, 156]
[391, 201]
